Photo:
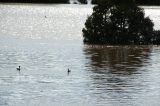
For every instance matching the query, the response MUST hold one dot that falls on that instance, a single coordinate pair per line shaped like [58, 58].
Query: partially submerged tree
[118, 22]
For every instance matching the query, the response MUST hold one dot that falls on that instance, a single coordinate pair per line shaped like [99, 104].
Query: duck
[69, 70]
[19, 68]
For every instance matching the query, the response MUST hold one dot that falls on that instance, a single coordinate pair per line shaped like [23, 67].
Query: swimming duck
[19, 68]
[69, 70]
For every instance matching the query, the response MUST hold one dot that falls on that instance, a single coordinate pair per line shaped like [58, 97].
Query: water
[46, 40]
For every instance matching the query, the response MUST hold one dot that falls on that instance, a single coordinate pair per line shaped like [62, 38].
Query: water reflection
[116, 60]
[117, 71]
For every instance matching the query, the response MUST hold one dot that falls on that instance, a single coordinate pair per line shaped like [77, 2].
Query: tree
[118, 22]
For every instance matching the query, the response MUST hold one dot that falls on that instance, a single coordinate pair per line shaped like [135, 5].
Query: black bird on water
[69, 70]
[19, 68]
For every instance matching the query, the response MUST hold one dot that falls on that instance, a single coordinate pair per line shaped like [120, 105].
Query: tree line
[139, 2]
[36, 1]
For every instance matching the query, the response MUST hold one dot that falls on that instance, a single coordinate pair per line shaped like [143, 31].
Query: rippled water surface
[46, 40]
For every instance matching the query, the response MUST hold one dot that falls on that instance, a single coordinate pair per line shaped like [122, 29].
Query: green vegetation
[119, 22]
[37, 1]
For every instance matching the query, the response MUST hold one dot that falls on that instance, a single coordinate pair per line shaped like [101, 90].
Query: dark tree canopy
[118, 22]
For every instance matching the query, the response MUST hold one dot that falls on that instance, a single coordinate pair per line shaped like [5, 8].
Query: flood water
[46, 40]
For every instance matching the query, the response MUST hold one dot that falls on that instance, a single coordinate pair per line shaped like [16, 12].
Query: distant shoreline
[14, 3]
[37, 1]
[30, 3]
[67, 2]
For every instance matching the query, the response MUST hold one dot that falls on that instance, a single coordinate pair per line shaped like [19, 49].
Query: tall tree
[118, 22]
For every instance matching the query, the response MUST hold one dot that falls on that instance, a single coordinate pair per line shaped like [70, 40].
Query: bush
[118, 22]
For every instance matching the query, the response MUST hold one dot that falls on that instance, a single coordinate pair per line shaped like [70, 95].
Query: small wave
[45, 81]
